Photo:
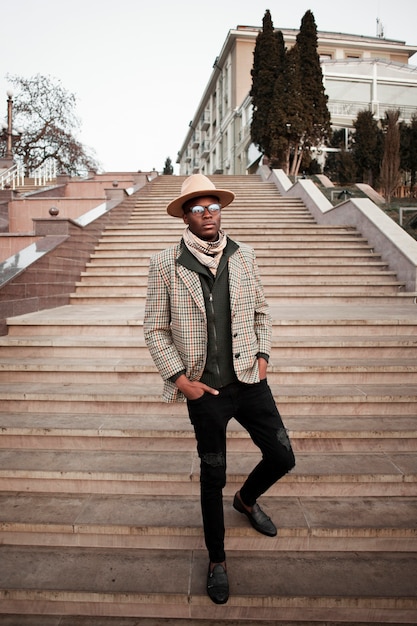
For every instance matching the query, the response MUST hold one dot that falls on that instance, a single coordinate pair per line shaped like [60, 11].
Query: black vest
[218, 370]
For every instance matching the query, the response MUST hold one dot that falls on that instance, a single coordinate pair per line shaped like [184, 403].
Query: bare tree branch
[46, 113]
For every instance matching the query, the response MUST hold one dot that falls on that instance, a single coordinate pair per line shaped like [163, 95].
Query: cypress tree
[290, 113]
[294, 107]
[316, 116]
[264, 72]
[277, 114]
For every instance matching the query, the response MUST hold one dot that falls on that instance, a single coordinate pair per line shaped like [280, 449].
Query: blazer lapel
[192, 282]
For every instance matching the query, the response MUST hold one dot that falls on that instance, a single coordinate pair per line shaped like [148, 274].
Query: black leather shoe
[259, 520]
[218, 584]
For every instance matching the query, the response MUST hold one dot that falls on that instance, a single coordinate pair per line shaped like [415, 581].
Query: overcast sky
[138, 68]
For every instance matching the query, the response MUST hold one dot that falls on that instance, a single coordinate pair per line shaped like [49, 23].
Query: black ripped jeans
[253, 406]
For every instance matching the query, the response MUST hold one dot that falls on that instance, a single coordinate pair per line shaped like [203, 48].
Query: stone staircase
[31, 185]
[99, 480]
[331, 263]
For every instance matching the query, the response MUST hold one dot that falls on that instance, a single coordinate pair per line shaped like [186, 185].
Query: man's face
[205, 225]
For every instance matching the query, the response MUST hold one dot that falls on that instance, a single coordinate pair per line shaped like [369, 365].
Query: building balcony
[205, 120]
[195, 141]
[205, 149]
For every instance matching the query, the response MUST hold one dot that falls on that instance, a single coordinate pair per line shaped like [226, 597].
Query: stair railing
[44, 173]
[13, 177]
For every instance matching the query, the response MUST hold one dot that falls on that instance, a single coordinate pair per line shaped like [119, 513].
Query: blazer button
[237, 355]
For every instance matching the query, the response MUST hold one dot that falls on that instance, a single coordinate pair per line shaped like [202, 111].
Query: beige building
[358, 72]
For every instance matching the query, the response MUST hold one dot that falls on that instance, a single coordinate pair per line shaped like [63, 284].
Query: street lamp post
[9, 144]
[7, 135]
[9, 131]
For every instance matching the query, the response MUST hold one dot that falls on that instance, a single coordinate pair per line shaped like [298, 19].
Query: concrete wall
[23, 210]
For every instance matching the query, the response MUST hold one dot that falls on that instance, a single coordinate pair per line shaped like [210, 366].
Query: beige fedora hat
[195, 186]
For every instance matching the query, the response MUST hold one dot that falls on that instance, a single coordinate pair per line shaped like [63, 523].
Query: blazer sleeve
[157, 320]
[263, 324]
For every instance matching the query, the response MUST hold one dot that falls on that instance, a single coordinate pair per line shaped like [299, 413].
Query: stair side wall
[49, 282]
[386, 237]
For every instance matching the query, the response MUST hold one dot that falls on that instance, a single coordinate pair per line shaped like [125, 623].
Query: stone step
[270, 279]
[242, 227]
[356, 350]
[244, 197]
[270, 204]
[283, 265]
[334, 474]
[352, 350]
[273, 286]
[269, 273]
[285, 218]
[342, 323]
[153, 432]
[139, 223]
[316, 255]
[245, 194]
[243, 204]
[358, 400]
[118, 370]
[300, 299]
[142, 584]
[153, 244]
[54, 620]
[271, 212]
[162, 522]
[347, 259]
[262, 240]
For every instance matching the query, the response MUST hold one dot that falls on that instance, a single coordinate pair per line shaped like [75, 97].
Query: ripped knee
[283, 438]
[213, 471]
[213, 459]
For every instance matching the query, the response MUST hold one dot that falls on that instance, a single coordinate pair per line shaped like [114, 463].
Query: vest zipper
[216, 350]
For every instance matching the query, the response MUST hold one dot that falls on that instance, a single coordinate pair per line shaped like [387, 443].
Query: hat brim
[175, 209]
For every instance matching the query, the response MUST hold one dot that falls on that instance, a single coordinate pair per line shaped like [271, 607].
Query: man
[208, 329]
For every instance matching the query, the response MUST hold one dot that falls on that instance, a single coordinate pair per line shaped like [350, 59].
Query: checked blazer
[175, 323]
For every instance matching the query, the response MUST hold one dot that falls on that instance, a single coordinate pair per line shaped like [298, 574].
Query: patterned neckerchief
[208, 253]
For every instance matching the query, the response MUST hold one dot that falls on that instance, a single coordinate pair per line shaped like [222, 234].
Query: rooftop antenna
[379, 28]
